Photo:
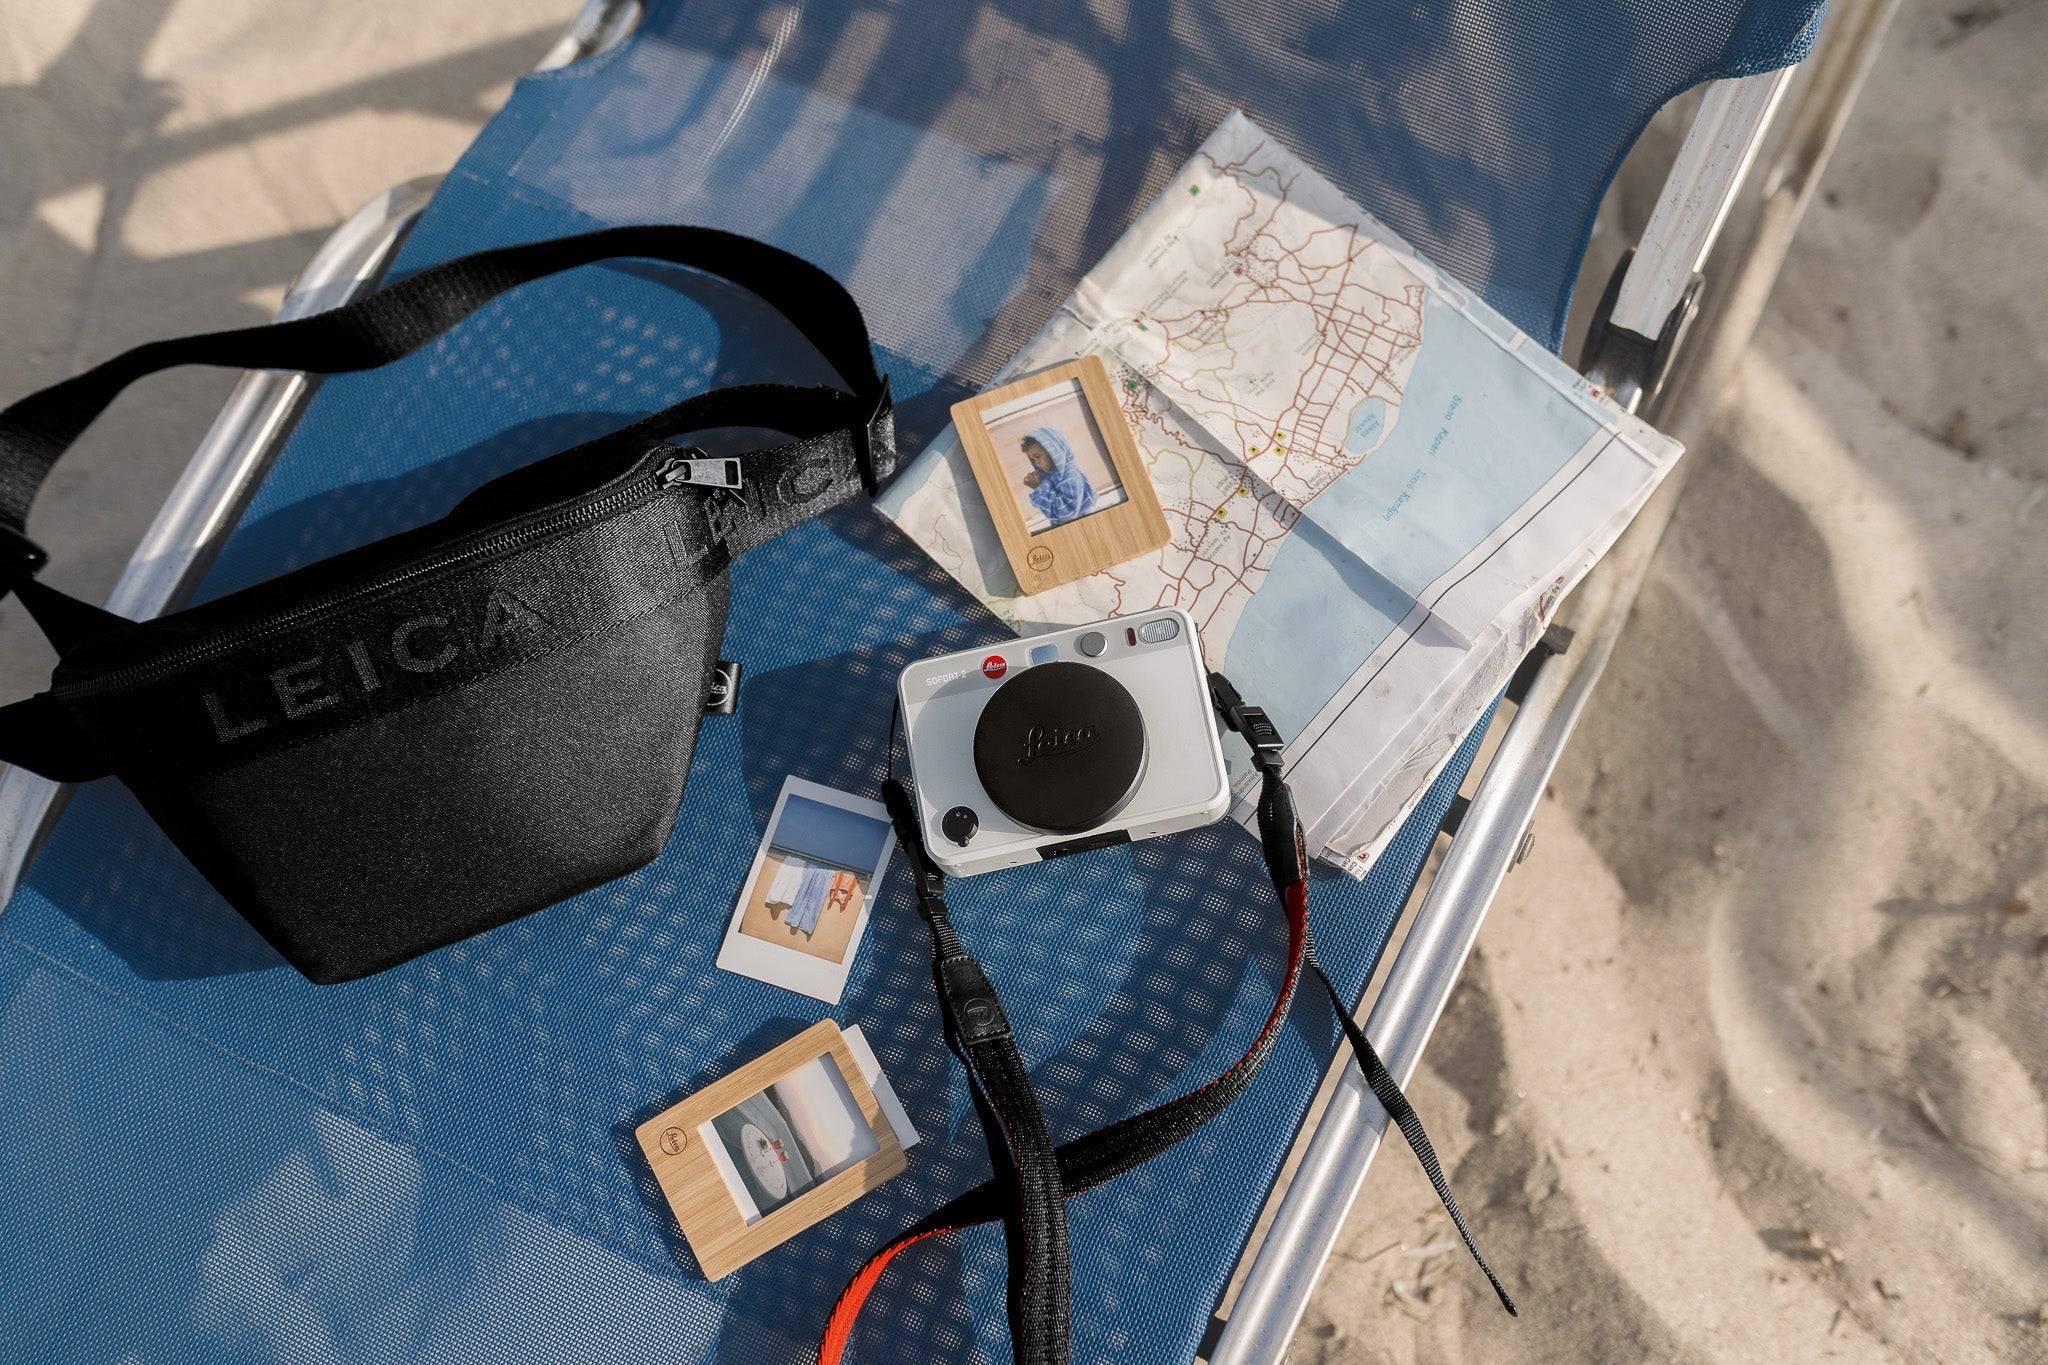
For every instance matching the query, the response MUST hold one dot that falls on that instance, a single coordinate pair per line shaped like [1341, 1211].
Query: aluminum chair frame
[1711, 181]
[1706, 188]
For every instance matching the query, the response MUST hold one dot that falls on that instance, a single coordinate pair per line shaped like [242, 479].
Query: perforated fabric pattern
[203, 1157]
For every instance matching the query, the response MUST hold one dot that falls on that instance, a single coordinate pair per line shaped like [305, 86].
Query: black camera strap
[1029, 1196]
[1032, 1178]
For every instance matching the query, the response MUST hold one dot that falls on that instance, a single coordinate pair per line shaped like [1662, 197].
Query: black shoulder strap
[398, 319]
[1028, 1192]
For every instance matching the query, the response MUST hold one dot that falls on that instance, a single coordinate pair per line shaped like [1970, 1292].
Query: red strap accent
[846, 1313]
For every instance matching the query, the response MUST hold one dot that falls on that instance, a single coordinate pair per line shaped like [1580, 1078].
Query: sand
[167, 166]
[1751, 1062]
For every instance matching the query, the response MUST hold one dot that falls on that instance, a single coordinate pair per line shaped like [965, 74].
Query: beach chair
[209, 1158]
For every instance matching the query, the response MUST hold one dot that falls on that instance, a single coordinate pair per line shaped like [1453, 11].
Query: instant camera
[1079, 739]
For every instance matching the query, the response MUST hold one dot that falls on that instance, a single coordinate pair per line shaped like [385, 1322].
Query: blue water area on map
[1317, 617]
[1477, 432]
[1368, 424]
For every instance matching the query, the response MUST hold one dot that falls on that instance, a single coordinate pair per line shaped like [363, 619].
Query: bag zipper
[672, 473]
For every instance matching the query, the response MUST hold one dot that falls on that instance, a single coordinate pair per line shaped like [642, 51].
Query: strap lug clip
[1250, 721]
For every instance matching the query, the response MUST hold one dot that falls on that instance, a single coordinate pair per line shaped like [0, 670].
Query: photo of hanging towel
[840, 897]
[782, 891]
[810, 898]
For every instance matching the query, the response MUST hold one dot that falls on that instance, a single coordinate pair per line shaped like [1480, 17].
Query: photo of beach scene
[774, 1146]
[814, 878]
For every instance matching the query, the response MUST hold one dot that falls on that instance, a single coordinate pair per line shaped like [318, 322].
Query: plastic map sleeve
[1378, 487]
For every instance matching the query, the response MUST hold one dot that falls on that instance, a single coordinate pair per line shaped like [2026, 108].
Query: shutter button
[959, 824]
[1092, 644]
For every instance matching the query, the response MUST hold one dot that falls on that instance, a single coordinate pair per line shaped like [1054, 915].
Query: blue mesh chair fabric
[206, 1158]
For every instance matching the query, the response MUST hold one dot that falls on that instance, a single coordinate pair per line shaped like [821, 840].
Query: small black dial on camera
[959, 824]
[1060, 747]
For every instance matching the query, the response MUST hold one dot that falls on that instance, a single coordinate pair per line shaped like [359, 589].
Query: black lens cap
[1060, 747]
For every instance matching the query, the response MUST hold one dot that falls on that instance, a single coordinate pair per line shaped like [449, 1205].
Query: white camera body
[1078, 739]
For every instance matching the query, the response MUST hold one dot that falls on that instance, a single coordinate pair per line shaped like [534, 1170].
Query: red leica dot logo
[994, 666]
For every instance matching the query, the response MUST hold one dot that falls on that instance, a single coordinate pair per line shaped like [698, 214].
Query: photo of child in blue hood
[1059, 487]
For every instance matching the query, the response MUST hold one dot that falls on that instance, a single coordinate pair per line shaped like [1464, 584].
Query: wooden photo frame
[1063, 480]
[729, 1158]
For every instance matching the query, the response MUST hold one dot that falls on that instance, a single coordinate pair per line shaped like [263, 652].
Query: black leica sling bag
[408, 743]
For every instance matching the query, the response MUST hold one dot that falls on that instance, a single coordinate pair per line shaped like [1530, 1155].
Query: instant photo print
[804, 907]
[785, 1141]
[1063, 480]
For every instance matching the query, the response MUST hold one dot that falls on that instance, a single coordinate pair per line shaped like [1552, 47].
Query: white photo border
[785, 967]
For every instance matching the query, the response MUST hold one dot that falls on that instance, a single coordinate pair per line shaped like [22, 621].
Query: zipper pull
[689, 465]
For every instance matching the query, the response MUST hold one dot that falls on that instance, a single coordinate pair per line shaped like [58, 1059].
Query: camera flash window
[1153, 632]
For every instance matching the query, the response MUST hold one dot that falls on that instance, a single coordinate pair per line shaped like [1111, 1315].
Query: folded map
[1378, 487]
